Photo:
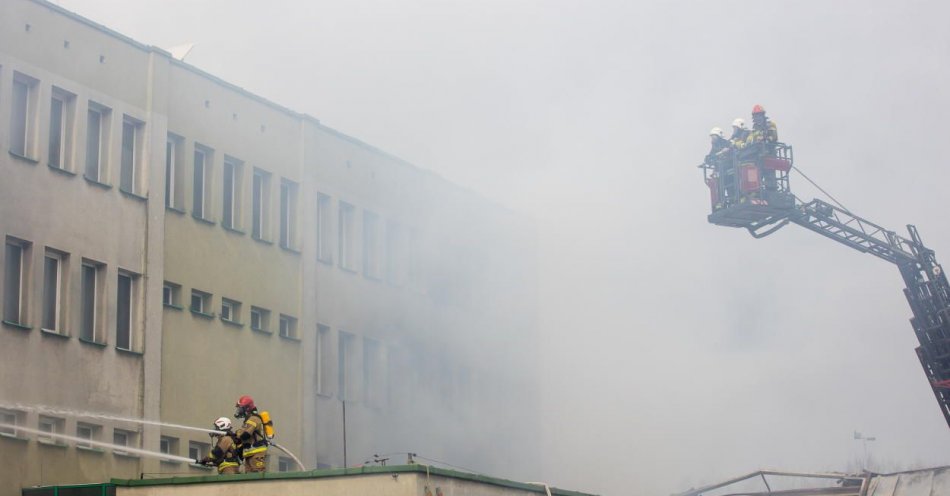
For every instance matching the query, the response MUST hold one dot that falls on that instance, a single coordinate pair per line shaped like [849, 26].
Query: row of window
[57, 302]
[362, 369]
[364, 244]
[70, 147]
[52, 433]
[232, 192]
[397, 238]
[202, 303]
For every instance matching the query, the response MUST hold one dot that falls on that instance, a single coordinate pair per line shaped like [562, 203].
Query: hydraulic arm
[927, 289]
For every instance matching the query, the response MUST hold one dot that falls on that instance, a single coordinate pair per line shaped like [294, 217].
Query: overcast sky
[676, 352]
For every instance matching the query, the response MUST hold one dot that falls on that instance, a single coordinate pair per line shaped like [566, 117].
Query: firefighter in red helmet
[763, 129]
[252, 435]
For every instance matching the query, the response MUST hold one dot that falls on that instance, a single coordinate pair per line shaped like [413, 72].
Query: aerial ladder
[749, 189]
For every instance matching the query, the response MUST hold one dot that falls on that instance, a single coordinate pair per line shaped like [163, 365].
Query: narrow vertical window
[259, 202]
[324, 228]
[372, 373]
[324, 360]
[22, 120]
[397, 253]
[169, 173]
[198, 201]
[14, 282]
[96, 134]
[89, 302]
[62, 105]
[174, 178]
[227, 214]
[124, 313]
[54, 267]
[347, 236]
[341, 361]
[288, 213]
[371, 268]
[56, 131]
[128, 173]
[284, 214]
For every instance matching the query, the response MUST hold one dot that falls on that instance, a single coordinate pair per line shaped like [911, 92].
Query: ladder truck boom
[750, 189]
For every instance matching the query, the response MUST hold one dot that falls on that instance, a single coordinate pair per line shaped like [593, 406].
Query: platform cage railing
[752, 175]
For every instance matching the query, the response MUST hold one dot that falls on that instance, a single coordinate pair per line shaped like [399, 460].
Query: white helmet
[222, 424]
[739, 123]
[716, 132]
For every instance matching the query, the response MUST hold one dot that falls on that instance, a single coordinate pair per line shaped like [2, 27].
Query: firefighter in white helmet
[718, 143]
[740, 133]
[226, 454]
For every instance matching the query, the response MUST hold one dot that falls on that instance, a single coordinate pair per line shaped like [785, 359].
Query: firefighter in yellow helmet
[251, 435]
[226, 455]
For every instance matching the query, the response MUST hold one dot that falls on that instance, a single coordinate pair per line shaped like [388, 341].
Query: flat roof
[316, 474]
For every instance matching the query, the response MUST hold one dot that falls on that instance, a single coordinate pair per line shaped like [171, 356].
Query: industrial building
[172, 241]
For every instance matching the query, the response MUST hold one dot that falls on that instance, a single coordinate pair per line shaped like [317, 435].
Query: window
[55, 269]
[203, 156]
[97, 139]
[284, 464]
[87, 431]
[125, 311]
[168, 445]
[22, 115]
[231, 194]
[259, 204]
[324, 228]
[9, 419]
[200, 302]
[131, 154]
[347, 367]
[90, 299]
[288, 213]
[198, 450]
[371, 257]
[230, 310]
[173, 177]
[15, 279]
[347, 236]
[397, 254]
[122, 437]
[324, 360]
[62, 108]
[374, 377]
[288, 327]
[49, 426]
[259, 319]
[171, 294]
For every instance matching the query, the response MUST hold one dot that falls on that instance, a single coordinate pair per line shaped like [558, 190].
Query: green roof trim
[339, 472]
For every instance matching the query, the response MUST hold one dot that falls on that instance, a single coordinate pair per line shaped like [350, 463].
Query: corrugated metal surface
[930, 482]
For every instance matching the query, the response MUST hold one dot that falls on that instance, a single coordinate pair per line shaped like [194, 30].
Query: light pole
[865, 439]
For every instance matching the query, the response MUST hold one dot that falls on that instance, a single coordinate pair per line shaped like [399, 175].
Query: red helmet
[245, 402]
[758, 109]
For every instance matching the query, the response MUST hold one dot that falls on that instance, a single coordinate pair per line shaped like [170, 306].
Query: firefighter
[762, 141]
[226, 454]
[251, 435]
[739, 134]
[763, 129]
[718, 144]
